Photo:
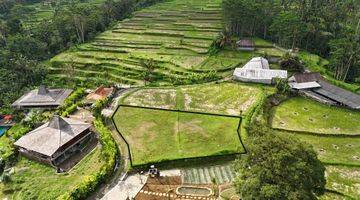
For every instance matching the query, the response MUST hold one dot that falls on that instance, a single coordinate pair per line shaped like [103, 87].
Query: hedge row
[109, 153]
[71, 103]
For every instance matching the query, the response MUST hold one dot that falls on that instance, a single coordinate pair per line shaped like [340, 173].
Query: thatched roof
[48, 138]
[42, 97]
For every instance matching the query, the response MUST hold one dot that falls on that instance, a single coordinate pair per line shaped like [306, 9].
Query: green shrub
[109, 152]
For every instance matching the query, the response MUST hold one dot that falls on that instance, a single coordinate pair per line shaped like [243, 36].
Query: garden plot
[158, 135]
[300, 114]
[204, 175]
[223, 98]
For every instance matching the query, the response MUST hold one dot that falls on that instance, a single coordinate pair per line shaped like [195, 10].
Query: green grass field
[300, 114]
[32, 180]
[156, 135]
[224, 98]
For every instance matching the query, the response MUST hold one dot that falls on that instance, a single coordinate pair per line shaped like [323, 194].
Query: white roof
[48, 138]
[257, 63]
[306, 85]
[257, 70]
[260, 73]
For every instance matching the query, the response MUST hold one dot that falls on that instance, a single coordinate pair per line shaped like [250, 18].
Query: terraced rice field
[300, 114]
[224, 98]
[158, 135]
[204, 175]
[175, 34]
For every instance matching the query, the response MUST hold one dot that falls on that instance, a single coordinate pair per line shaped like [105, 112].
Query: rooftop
[48, 138]
[100, 93]
[42, 97]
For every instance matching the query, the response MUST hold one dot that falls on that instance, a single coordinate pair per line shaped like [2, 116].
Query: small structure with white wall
[257, 70]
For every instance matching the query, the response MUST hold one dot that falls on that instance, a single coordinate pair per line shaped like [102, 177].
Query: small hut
[245, 45]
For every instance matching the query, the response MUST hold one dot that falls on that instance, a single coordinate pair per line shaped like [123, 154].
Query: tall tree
[279, 168]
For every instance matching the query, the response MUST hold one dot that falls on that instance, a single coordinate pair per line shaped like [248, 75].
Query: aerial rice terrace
[175, 35]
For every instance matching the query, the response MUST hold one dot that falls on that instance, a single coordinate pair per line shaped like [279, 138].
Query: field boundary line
[317, 134]
[178, 111]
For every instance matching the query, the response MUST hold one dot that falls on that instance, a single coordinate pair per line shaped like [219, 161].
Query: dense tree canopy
[279, 168]
[21, 47]
[327, 28]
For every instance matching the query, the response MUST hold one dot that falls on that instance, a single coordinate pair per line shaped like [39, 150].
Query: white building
[257, 70]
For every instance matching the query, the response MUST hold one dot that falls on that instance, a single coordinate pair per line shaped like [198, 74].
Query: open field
[300, 114]
[158, 135]
[223, 98]
[32, 180]
[176, 35]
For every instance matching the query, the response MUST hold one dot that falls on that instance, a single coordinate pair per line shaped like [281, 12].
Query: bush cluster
[71, 103]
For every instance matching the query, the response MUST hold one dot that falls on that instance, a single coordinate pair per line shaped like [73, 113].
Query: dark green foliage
[278, 168]
[291, 63]
[330, 29]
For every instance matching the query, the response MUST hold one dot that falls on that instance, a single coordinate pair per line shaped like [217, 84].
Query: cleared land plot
[301, 114]
[158, 135]
[32, 180]
[223, 98]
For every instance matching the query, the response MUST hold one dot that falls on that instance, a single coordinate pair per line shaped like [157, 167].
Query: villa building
[42, 98]
[56, 141]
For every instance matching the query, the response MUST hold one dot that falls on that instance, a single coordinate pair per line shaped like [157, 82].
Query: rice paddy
[300, 114]
[222, 98]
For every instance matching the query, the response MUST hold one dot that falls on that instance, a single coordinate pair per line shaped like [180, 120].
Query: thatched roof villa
[55, 141]
[42, 98]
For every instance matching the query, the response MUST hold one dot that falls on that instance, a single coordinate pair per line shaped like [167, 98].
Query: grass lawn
[32, 180]
[301, 114]
[156, 135]
[333, 150]
[223, 98]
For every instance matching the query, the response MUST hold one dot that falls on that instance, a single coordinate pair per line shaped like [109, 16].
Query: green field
[176, 35]
[32, 180]
[300, 114]
[157, 135]
[223, 98]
